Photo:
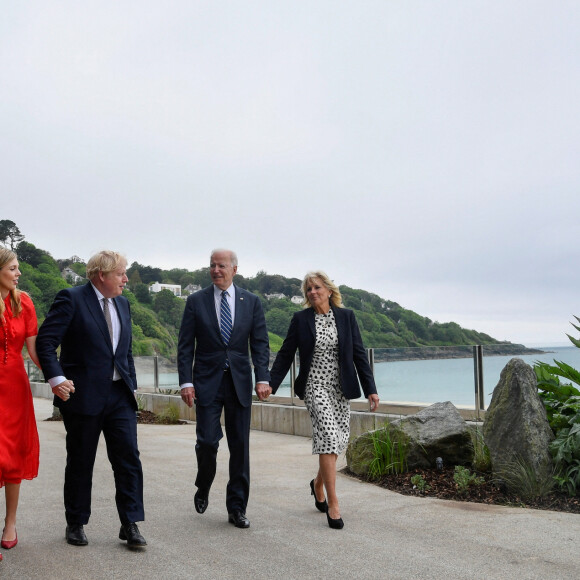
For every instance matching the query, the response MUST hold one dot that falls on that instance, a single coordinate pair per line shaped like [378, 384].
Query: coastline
[451, 352]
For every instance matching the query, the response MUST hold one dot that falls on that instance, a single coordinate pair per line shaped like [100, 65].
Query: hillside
[156, 317]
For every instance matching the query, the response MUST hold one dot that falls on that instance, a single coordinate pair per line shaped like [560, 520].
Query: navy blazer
[351, 354]
[76, 322]
[201, 354]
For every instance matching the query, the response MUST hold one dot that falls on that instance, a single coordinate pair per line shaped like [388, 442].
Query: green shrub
[419, 482]
[463, 479]
[558, 388]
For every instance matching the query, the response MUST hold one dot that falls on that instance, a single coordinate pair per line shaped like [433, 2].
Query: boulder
[437, 431]
[516, 425]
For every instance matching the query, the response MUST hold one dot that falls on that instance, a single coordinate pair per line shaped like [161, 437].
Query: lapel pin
[241, 297]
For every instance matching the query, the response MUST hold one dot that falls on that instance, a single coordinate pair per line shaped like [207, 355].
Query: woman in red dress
[19, 448]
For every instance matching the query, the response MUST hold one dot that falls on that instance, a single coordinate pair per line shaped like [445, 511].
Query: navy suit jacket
[76, 322]
[202, 353]
[351, 354]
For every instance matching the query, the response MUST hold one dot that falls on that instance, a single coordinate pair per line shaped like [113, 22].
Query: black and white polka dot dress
[328, 408]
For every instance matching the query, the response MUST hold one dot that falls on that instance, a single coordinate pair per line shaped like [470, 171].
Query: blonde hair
[6, 256]
[335, 296]
[105, 262]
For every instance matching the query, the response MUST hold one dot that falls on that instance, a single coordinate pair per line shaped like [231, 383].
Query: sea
[432, 381]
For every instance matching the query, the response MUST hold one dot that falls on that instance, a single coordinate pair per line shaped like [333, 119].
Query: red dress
[19, 449]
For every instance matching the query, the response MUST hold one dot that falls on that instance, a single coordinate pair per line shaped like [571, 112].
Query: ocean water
[426, 381]
[431, 381]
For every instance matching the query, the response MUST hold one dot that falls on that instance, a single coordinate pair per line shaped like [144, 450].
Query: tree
[134, 280]
[10, 233]
[32, 255]
[278, 321]
[142, 293]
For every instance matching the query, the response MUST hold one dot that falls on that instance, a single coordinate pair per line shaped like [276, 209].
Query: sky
[424, 151]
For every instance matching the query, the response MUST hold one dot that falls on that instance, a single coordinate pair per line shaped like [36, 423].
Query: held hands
[64, 390]
[263, 391]
[188, 396]
[373, 403]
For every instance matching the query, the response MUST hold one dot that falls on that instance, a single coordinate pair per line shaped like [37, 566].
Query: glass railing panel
[145, 370]
[496, 357]
[34, 373]
[425, 375]
[284, 389]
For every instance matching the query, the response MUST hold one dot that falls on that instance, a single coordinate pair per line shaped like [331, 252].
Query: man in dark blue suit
[94, 383]
[219, 322]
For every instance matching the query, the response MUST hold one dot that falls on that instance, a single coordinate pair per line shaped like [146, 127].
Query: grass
[521, 478]
[169, 415]
[389, 452]
[481, 456]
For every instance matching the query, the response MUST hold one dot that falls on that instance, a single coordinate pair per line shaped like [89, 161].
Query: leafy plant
[463, 478]
[169, 391]
[568, 480]
[419, 482]
[562, 402]
[389, 450]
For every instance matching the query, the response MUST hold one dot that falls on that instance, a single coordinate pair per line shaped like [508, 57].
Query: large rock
[516, 425]
[437, 431]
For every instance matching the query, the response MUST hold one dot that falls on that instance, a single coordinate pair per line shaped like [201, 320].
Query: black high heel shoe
[321, 506]
[337, 524]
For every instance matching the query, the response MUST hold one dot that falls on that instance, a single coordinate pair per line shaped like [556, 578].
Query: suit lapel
[210, 306]
[240, 310]
[121, 316]
[96, 311]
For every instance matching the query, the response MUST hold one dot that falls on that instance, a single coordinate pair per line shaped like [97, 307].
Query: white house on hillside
[71, 276]
[296, 299]
[277, 296]
[157, 287]
[191, 289]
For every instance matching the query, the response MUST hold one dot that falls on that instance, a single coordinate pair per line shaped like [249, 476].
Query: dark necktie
[108, 317]
[225, 318]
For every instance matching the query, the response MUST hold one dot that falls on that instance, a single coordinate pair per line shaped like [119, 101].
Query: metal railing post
[156, 374]
[371, 357]
[478, 378]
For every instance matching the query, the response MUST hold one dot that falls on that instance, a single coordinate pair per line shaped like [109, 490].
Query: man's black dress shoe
[239, 519]
[130, 532]
[75, 535]
[200, 501]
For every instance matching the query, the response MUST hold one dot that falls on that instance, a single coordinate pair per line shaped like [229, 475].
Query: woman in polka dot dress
[331, 352]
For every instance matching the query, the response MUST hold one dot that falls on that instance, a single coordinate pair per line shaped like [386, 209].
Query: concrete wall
[278, 415]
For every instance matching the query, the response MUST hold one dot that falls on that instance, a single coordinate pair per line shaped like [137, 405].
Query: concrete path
[386, 535]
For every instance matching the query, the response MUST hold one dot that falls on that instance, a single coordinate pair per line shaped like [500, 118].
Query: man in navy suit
[215, 372]
[94, 383]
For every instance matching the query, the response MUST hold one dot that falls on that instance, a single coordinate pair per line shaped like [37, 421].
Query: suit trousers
[209, 432]
[118, 423]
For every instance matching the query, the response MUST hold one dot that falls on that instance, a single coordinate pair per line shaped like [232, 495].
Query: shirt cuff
[56, 381]
[186, 386]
